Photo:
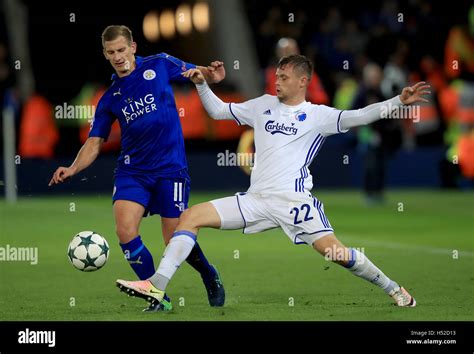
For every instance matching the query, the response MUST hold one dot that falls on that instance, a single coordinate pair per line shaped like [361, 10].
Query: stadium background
[70, 69]
[51, 56]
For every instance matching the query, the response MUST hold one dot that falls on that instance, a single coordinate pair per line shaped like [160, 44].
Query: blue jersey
[143, 102]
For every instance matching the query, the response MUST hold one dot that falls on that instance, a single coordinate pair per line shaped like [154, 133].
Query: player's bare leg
[331, 248]
[199, 215]
[178, 249]
[358, 264]
[168, 226]
[128, 216]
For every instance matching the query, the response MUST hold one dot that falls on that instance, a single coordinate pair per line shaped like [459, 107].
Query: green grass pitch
[428, 248]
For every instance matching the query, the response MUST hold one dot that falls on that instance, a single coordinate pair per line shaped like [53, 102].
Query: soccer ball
[88, 251]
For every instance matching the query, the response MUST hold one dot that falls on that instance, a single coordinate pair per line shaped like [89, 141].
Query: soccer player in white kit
[289, 133]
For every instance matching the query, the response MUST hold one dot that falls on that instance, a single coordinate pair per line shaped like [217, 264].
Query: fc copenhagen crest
[149, 74]
[300, 116]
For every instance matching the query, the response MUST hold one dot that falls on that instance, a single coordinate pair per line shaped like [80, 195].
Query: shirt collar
[293, 108]
[138, 62]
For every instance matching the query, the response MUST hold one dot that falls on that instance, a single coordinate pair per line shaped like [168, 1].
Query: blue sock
[140, 259]
[198, 261]
[352, 259]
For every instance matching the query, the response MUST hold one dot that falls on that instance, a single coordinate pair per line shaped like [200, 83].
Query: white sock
[361, 266]
[178, 249]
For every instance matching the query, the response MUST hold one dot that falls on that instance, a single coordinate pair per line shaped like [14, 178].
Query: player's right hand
[61, 174]
[195, 75]
[415, 93]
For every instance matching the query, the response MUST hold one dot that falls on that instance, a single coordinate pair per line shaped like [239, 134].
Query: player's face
[289, 83]
[121, 55]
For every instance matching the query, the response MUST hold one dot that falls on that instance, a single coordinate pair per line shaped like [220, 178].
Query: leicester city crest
[149, 74]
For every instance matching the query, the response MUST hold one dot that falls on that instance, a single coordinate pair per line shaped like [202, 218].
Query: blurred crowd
[366, 54]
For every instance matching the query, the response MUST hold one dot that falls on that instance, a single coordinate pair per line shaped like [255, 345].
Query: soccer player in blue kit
[151, 175]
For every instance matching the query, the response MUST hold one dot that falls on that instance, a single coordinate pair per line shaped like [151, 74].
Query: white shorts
[300, 215]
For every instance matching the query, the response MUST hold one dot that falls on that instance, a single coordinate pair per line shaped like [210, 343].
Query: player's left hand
[195, 75]
[415, 93]
[216, 71]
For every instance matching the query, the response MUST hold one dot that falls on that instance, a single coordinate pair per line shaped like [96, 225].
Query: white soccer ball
[88, 251]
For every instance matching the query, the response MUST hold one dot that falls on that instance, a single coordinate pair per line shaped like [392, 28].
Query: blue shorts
[166, 196]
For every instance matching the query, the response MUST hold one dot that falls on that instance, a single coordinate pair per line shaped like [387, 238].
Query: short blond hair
[112, 32]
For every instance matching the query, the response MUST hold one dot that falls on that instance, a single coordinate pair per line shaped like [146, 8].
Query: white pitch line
[406, 247]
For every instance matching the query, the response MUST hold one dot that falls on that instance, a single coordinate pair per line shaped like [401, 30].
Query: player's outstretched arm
[410, 95]
[214, 72]
[85, 157]
[215, 107]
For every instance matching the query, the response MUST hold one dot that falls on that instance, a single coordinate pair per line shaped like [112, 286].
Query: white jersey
[287, 139]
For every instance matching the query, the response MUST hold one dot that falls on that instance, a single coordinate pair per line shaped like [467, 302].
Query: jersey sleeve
[102, 121]
[175, 67]
[328, 120]
[245, 112]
